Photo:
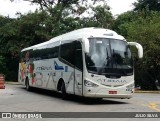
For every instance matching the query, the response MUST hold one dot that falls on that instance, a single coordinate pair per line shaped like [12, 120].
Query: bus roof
[81, 33]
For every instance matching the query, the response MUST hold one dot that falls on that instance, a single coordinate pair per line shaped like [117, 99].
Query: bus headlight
[90, 84]
[130, 87]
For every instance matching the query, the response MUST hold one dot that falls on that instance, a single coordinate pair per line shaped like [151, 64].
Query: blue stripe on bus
[57, 67]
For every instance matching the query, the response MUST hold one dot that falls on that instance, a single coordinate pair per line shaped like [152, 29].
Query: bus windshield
[109, 57]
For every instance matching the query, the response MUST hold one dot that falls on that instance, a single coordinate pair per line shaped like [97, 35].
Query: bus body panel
[78, 82]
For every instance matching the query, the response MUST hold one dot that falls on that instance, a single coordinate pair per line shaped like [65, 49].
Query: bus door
[78, 68]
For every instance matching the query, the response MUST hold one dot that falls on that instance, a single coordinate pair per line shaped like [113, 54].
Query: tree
[122, 20]
[102, 16]
[16, 34]
[3, 68]
[52, 19]
[144, 29]
[149, 4]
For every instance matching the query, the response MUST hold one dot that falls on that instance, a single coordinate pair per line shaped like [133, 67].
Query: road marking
[153, 105]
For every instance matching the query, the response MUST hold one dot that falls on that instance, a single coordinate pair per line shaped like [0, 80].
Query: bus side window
[67, 52]
[21, 58]
[52, 50]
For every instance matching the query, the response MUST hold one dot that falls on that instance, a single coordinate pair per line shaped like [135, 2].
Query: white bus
[90, 62]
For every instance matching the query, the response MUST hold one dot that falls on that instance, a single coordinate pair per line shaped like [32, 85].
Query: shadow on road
[74, 98]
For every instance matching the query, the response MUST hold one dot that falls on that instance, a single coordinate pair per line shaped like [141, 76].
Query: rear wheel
[27, 85]
[99, 99]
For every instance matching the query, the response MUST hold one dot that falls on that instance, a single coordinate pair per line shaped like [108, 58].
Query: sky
[120, 6]
[8, 8]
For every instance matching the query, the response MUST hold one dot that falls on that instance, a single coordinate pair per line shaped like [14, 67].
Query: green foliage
[2, 65]
[102, 16]
[147, 4]
[143, 28]
[142, 25]
[16, 34]
[52, 19]
[122, 20]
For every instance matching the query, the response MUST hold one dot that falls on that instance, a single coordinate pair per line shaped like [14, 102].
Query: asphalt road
[16, 99]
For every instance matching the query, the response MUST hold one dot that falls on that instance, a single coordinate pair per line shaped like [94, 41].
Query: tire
[28, 88]
[63, 90]
[99, 99]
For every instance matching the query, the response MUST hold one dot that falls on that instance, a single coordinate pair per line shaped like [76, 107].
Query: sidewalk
[146, 91]
[13, 83]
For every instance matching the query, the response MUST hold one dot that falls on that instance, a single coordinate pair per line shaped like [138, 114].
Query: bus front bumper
[105, 93]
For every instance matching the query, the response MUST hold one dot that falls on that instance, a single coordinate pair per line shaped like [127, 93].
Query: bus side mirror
[139, 47]
[86, 45]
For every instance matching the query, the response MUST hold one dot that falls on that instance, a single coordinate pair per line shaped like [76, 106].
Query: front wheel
[63, 90]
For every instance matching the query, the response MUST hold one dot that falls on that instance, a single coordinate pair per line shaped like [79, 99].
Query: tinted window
[43, 52]
[25, 56]
[67, 52]
[108, 56]
[22, 57]
[52, 50]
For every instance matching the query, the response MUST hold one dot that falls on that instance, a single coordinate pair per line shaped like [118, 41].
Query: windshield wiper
[112, 75]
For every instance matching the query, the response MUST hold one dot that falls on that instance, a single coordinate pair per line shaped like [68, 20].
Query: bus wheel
[63, 90]
[27, 85]
[99, 99]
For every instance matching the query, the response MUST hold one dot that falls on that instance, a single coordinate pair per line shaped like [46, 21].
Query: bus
[89, 62]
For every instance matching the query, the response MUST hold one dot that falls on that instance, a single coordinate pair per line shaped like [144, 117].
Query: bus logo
[119, 81]
[57, 67]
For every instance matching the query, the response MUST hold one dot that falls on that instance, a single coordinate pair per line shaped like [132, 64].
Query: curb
[156, 92]
[13, 83]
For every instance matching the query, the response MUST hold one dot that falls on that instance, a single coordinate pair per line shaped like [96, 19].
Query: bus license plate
[112, 92]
